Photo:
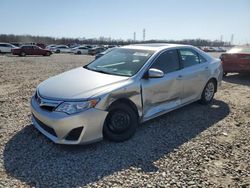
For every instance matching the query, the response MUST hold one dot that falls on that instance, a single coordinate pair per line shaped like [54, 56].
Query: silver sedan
[113, 94]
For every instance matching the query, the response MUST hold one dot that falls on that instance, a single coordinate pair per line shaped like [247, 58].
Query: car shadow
[33, 159]
[241, 79]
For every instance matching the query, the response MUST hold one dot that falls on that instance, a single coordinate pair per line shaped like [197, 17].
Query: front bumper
[57, 125]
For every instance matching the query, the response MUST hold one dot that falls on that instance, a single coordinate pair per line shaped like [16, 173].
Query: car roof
[157, 47]
[154, 46]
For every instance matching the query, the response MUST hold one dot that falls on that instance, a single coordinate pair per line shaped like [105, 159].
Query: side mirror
[155, 73]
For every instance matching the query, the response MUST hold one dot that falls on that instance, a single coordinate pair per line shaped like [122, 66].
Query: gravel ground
[195, 146]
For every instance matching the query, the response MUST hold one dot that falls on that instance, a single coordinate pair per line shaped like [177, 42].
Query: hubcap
[119, 122]
[209, 91]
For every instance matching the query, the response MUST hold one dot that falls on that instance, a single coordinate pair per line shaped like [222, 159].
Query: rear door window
[189, 57]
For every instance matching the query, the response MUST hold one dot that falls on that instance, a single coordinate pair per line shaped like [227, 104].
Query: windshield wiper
[101, 71]
[97, 70]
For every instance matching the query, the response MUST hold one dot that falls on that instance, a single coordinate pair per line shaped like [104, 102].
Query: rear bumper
[57, 126]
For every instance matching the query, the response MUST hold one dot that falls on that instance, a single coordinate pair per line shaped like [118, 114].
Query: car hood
[78, 83]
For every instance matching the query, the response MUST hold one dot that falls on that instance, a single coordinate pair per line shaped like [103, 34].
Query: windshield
[121, 61]
[240, 49]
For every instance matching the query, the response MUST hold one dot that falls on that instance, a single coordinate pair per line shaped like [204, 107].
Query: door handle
[206, 68]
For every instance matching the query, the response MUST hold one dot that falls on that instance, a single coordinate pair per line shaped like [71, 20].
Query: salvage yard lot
[196, 146]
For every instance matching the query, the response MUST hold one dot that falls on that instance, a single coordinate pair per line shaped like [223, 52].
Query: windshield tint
[121, 61]
[240, 49]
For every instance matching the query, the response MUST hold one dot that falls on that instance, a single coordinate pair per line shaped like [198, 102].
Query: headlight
[74, 107]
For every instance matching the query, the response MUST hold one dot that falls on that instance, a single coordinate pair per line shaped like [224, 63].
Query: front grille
[74, 134]
[45, 104]
[45, 127]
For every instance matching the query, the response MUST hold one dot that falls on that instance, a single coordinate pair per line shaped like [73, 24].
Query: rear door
[162, 94]
[195, 73]
[27, 50]
[36, 50]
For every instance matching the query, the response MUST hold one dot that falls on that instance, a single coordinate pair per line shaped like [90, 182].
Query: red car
[236, 60]
[30, 50]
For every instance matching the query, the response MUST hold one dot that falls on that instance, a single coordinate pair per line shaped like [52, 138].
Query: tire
[224, 73]
[22, 54]
[48, 54]
[79, 52]
[121, 123]
[58, 51]
[208, 92]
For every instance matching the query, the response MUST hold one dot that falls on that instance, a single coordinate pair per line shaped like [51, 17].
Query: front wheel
[208, 92]
[224, 73]
[23, 54]
[121, 123]
[79, 52]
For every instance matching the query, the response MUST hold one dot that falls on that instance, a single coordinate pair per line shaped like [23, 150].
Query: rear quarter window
[202, 59]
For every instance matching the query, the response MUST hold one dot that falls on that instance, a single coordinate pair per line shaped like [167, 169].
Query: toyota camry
[110, 96]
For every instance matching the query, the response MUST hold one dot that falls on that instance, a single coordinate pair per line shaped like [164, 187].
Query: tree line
[10, 38]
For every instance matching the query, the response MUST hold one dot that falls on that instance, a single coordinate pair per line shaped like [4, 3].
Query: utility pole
[232, 39]
[134, 36]
[144, 34]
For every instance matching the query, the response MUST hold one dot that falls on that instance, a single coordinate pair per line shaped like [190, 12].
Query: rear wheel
[48, 53]
[224, 73]
[121, 123]
[79, 52]
[57, 51]
[208, 92]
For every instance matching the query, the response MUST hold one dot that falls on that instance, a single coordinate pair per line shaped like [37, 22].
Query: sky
[119, 19]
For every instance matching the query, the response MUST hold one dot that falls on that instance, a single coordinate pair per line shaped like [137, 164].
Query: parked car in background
[80, 50]
[129, 85]
[213, 49]
[6, 47]
[96, 50]
[61, 49]
[236, 60]
[30, 50]
[209, 49]
[73, 45]
[221, 49]
[103, 53]
[50, 47]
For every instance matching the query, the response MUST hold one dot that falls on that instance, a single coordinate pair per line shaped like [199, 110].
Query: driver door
[160, 95]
